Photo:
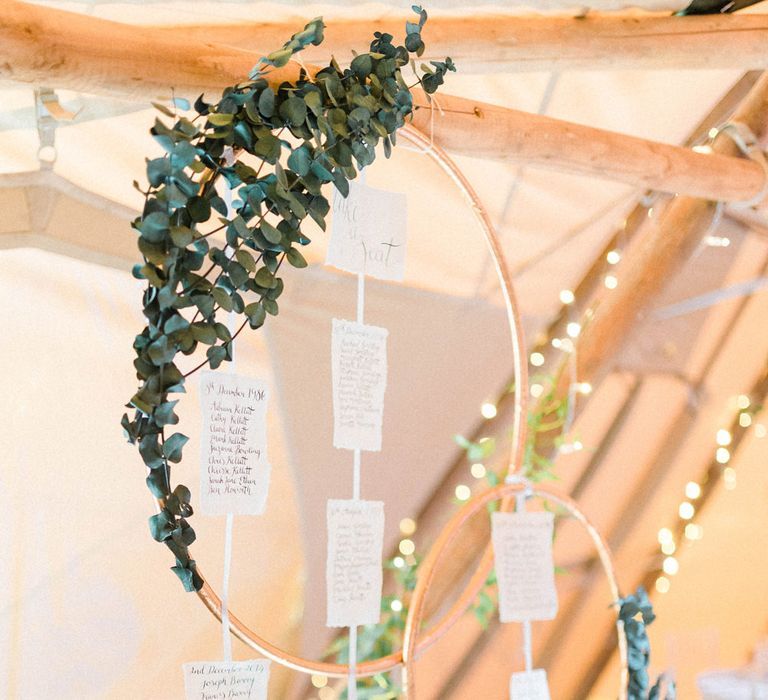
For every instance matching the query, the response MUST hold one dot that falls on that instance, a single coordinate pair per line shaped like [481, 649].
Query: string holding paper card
[234, 469]
[369, 232]
[222, 680]
[359, 370]
[522, 548]
[353, 565]
[529, 685]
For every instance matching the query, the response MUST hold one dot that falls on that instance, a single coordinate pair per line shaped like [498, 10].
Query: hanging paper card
[234, 471]
[353, 571]
[522, 547]
[529, 685]
[359, 364]
[221, 680]
[369, 232]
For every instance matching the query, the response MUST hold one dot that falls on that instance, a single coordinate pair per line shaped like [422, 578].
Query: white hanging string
[356, 460]
[229, 159]
[520, 499]
[226, 636]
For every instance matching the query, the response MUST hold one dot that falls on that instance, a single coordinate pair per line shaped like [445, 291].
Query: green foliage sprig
[636, 612]
[322, 129]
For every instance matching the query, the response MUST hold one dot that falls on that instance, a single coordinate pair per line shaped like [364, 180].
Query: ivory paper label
[529, 685]
[359, 368]
[354, 567]
[369, 232]
[522, 547]
[234, 472]
[222, 680]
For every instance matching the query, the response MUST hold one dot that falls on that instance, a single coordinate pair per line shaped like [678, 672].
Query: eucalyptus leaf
[296, 258]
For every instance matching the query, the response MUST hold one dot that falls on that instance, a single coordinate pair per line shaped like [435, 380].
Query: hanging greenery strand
[337, 118]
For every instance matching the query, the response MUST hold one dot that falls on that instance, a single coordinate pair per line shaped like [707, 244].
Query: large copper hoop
[210, 598]
[413, 647]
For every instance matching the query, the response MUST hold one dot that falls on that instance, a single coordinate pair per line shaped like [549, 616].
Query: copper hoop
[519, 429]
[412, 649]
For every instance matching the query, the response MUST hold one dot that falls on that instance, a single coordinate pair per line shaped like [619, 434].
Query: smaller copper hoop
[412, 648]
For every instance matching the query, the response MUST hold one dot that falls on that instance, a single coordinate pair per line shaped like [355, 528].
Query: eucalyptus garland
[300, 136]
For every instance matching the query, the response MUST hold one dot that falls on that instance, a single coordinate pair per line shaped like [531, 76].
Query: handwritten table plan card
[354, 564]
[522, 548]
[234, 470]
[359, 370]
[529, 685]
[221, 680]
[369, 232]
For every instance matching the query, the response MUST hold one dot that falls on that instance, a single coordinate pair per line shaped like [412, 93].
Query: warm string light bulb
[692, 490]
[407, 526]
[319, 681]
[745, 420]
[693, 531]
[463, 492]
[573, 329]
[662, 584]
[723, 437]
[567, 297]
[537, 359]
[488, 410]
[670, 566]
[477, 470]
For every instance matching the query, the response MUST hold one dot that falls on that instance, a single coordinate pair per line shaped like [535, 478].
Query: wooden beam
[490, 43]
[88, 54]
[83, 53]
[653, 258]
[600, 5]
[538, 141]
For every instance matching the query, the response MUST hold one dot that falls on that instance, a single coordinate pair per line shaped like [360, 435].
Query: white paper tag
[369, 232]
[522, 547]
[221, 680]
[353, 571]
[234, 471]
[529, 685]
[359, 368]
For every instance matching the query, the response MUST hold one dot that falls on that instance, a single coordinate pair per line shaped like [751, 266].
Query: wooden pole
[475, 129]
[509, 43]
[65, 50]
